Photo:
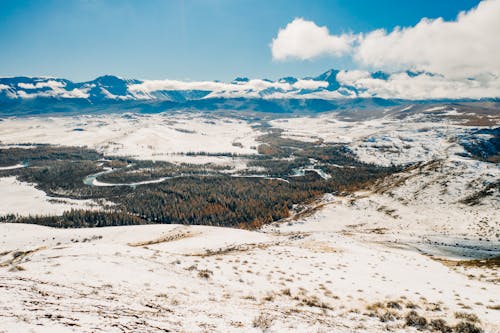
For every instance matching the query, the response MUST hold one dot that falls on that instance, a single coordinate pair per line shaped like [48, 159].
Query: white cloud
[113, 96]
[57, 89]
[58, 93]
[310, 84]
[251, 88]
[305, 40]
[423, 86]
[43, 84]
[399, 85]
[349, 77]
[468, 46]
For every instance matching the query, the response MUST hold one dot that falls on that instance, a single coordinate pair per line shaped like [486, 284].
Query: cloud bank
[404, 85]
[468, 46]
[251, 88]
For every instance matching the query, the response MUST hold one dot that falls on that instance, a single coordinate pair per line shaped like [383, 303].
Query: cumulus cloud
[465, 47]
[303, 40]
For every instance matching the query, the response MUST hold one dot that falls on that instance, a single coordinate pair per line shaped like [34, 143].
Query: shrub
[467, 327]
[413, 319]
[205, 273]
[470, 317]
[387, 316]
[394, 305]
[440, 325]
[286, 292]
[262, 321]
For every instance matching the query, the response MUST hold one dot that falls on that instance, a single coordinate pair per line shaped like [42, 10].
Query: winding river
[91, 180]
[17, 166]
[301, 172]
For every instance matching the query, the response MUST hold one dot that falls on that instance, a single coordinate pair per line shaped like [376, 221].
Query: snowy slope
[194, 279]
[359, 263]
[163, 137]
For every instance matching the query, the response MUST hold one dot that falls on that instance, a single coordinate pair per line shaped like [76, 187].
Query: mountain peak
[108, 79]
[329, 75]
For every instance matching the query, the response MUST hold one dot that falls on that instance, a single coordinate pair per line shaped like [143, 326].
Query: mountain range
[331, 90]
[109, 87]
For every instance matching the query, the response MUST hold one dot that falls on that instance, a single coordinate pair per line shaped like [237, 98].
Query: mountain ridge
[332, 84]
[329, 91]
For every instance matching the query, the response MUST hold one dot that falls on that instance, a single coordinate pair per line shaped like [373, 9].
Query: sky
[215, 39]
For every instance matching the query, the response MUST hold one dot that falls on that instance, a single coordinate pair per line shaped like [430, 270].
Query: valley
[209, 222]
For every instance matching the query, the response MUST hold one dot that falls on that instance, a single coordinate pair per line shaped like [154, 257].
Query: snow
[396, 240]
[92, 180]
[161, 137]
[24, 199]
[103, 279]
[12, 167]
[355, 251]
[436, 108]
[406, 108]
[326, 127]
[382, 141]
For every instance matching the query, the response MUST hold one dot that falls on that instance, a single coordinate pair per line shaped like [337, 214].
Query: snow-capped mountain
[332, 90]
[104, 87]
[110, 87]
[333, 84]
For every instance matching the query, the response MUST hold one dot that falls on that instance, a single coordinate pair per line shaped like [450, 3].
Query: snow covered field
[381, 141]
[164, 137]
[195, 279]
[357, 263]
[20, 198]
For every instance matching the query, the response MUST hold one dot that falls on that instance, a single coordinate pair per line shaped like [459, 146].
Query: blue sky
[188, 40]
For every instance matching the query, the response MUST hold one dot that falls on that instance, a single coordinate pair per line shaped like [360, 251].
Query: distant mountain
[113, 88]
[332, 90]
[330, 77]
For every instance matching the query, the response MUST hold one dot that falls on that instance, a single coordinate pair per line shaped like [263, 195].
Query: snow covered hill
[415, 251]
[299, 277]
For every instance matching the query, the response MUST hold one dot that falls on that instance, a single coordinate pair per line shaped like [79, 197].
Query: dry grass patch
[18, 256]
[319, 247]
[174, 235]
[263, 321]
[205, 273]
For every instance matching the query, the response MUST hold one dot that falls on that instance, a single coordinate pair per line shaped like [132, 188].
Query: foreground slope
[194, 279]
